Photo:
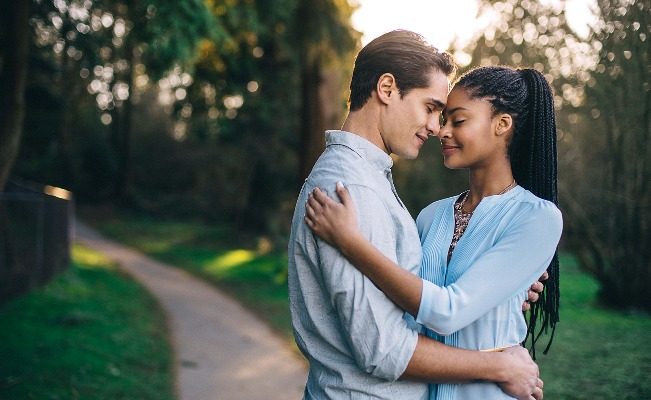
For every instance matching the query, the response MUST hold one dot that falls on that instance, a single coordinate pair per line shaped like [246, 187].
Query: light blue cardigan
[475, 302]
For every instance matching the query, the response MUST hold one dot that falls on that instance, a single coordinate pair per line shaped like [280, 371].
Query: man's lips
[423, 138]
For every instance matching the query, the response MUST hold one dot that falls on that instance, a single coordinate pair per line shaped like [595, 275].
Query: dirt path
[222, 351]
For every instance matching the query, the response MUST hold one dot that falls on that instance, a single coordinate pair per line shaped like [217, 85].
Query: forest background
[215, 110]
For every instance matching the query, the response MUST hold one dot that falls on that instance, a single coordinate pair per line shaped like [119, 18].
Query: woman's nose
[444, 131]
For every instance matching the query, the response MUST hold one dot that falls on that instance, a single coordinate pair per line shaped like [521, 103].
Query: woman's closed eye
[458, 122]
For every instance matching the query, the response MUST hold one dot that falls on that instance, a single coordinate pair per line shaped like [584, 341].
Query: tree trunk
[312, 122]
[70, 97]
[124, 128]
[15, 20]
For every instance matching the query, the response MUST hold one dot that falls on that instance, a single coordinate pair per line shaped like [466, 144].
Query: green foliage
[79, 338]
[86, 58]
[168, 31]
[611, 196]
[242, 117]
[212, 88]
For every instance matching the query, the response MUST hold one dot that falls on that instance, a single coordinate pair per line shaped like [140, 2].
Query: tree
[322, 32]
[250, 95]
[15, 44]
[156, 35]
[610, 200]
[102, 47]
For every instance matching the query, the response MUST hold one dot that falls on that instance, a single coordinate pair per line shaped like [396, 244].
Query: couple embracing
[385, 308]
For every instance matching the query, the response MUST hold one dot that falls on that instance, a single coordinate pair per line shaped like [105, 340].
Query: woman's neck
[488, 182]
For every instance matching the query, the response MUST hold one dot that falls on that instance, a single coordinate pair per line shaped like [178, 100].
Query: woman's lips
[447, 149]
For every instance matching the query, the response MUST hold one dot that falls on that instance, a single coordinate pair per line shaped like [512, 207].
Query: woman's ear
[504, 124]
[386, 87]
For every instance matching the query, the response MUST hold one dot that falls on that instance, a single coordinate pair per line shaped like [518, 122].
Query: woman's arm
[445, 309]
[336, 223]
[523, 251]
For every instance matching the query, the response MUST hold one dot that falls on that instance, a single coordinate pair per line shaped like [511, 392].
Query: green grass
[91, 333]
[597, 353]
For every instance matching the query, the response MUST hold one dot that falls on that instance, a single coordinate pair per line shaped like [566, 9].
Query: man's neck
[363, 124]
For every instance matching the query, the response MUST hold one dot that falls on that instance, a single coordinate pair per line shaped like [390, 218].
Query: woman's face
[471, 136]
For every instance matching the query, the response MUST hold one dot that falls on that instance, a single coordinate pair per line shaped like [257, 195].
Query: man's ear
[504, 124]
[386, 88]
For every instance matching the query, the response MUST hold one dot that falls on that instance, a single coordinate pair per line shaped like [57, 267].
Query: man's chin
[410, 154]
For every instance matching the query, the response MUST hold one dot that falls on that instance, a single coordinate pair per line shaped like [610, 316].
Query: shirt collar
[361, 146]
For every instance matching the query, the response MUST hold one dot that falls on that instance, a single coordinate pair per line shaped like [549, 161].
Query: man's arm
[377, 335]
[513, 370]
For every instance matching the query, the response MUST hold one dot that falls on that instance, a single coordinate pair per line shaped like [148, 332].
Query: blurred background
[185, 128]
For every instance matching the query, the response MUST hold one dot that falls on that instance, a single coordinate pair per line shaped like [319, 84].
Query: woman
[497, 237]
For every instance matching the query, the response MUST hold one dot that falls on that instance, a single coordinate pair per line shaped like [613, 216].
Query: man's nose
[433, 126]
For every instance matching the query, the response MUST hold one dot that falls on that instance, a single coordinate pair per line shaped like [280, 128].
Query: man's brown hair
[404, 54]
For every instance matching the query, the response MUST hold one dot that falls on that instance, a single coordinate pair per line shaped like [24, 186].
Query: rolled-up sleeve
[379, 338]
[516, 260]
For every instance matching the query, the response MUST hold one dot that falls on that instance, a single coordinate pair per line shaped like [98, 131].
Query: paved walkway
[221, 350]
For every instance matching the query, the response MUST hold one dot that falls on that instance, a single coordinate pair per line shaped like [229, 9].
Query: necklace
[462, 218]
[463, 201]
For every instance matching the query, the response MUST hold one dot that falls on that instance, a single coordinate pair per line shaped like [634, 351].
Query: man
[357, 342]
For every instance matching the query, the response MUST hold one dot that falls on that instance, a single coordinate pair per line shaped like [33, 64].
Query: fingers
[309, 212]
[544, 276]
[343, 194]
[324, 200]
[537, 393]
[537, 287]
[320, 196]
[532, 296]
[314, 204]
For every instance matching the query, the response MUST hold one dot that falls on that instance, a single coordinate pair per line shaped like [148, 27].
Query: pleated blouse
[475, 301]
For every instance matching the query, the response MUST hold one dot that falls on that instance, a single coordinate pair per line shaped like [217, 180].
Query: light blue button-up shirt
[356, 340]
[475, 301]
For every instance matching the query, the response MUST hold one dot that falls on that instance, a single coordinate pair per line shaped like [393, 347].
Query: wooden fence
[36, 225]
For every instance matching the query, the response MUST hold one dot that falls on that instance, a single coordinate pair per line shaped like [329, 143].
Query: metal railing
[35, 236]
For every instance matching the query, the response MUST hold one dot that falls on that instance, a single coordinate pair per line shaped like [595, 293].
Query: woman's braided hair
[528, 98]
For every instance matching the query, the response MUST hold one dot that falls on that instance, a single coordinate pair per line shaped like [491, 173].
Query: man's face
[406, 123]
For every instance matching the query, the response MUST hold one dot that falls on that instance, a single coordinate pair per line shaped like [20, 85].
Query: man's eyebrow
[438, 103]
[447, 112]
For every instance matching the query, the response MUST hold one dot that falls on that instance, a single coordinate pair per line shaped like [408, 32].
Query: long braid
[542, 169]
[527, 97]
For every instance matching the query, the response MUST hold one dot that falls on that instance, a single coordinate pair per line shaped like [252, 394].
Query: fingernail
[340, 185]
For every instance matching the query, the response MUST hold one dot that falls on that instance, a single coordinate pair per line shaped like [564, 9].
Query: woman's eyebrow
[449, 112]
